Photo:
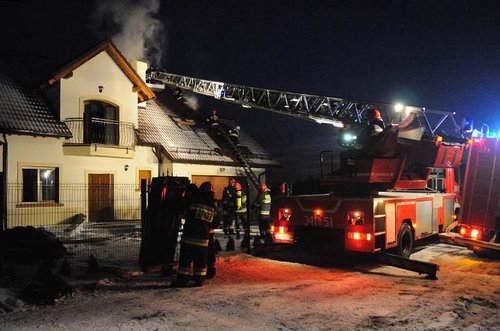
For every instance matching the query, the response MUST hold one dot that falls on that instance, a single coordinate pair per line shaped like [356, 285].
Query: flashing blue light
[468, 125]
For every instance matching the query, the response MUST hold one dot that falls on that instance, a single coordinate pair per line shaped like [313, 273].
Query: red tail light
[359, 236]
[318, 213]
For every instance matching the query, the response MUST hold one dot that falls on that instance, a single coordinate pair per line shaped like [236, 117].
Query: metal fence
[92, 221]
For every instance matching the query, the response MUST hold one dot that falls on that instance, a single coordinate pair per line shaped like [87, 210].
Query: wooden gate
[100, 197]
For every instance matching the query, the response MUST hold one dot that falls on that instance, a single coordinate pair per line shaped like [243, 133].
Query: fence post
[143, 201]
[247, 230]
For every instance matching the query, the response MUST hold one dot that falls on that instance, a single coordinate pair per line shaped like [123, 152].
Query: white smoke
[192, 102]
[132, 27]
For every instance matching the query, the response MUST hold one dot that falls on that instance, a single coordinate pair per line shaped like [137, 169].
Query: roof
[144, 92]
[24, 111]
[184, 139]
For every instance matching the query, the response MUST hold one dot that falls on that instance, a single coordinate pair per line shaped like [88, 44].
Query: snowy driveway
[251, 293]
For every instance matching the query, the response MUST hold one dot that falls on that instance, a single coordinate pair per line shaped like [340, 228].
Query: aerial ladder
[418, 129]
[320, 109]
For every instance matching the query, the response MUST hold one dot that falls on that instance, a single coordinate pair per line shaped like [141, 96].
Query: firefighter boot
[198, 280]
[211, 272]
[230, 244]
[245, 242]
[217, 246]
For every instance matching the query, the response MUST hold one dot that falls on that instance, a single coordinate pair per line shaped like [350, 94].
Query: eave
[144, 93]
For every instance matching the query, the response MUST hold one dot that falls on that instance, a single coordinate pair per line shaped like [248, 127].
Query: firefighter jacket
[228, 198]
[199, 219]
[241, 202]
[264, 203]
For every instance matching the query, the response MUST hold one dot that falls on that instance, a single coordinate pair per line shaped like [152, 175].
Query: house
[82, 138]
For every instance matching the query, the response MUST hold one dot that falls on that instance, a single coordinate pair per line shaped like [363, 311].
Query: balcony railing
[101, 131]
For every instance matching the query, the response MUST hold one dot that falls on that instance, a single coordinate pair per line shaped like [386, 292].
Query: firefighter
[241, 213]
[189, 194]
[228, 198]
[213, 120]
[234, 135]
[263, 205]
[177, 93]
[195, 237]
[367, 137]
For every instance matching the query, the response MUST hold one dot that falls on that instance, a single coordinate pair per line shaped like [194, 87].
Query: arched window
[101, 123]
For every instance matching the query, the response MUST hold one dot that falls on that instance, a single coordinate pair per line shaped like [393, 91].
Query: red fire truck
[375, 204]
[379, 199]
[479, 218]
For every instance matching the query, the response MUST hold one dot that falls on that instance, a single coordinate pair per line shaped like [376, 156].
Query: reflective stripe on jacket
[241, 202]
[265, 203]
[199, 220]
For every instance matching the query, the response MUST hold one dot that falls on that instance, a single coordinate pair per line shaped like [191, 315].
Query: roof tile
[23, 111]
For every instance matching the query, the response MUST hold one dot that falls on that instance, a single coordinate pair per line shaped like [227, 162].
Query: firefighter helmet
[206, 187]
[373, 114]
[237, 186]
[232, 181]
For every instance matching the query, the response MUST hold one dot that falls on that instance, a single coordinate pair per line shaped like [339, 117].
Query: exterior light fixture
[398, 107]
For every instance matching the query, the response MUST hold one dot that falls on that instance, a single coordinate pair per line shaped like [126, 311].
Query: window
[144, 174]
[40, 184]
[101, 123]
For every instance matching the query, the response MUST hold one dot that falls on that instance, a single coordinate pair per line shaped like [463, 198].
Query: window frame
[39, 188]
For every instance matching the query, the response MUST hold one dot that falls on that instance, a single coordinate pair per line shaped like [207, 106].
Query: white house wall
[73, 174]
[101, 70]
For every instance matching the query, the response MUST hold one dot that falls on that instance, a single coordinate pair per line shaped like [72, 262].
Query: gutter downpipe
[5, 148]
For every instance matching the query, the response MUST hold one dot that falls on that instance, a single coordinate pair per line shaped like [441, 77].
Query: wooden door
[100, 197]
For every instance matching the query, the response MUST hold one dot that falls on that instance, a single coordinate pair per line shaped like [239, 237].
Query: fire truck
[378, 200]
[479, 218]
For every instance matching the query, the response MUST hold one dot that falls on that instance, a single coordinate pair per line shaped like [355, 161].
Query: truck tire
[405, 241]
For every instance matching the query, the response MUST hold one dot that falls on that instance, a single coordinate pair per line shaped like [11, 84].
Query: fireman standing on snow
[228, 196]
[263, 205]
[195, 237]
[241, 211]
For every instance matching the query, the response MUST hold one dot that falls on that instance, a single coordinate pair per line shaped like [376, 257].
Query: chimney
[140, 67]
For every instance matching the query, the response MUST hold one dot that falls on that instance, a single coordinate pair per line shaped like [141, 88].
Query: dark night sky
[443, 55]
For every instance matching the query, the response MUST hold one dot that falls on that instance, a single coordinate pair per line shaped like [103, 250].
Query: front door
[100, 197]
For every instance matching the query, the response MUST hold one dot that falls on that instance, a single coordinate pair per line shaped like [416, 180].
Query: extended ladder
[320, 109]
[240, 158]
[316, 108]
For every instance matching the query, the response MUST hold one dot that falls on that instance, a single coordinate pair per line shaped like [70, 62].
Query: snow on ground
[253, 293]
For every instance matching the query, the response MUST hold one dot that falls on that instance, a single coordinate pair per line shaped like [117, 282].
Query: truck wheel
[405, 241]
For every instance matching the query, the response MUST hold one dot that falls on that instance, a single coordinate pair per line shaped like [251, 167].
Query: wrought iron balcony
[102, 132]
